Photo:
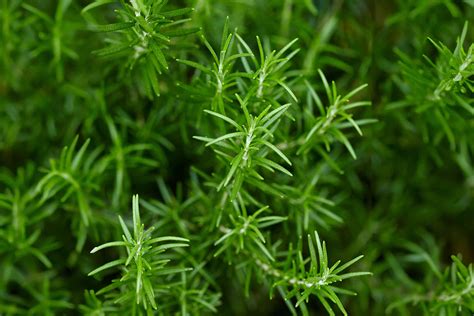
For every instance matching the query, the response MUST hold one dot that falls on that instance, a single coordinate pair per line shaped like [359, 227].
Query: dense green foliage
[251, 130]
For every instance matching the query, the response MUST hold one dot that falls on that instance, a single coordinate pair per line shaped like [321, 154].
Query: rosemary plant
[252, 131]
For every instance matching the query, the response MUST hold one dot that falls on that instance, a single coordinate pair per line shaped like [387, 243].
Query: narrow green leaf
[277, 151]
[96, 4]
[107, 266]
[167, 238]
[225, 118]
[234, 165]
[224, 137]
[159, 56]
[109, 244]
[125, 230]
[182, 32]
[112, 27]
